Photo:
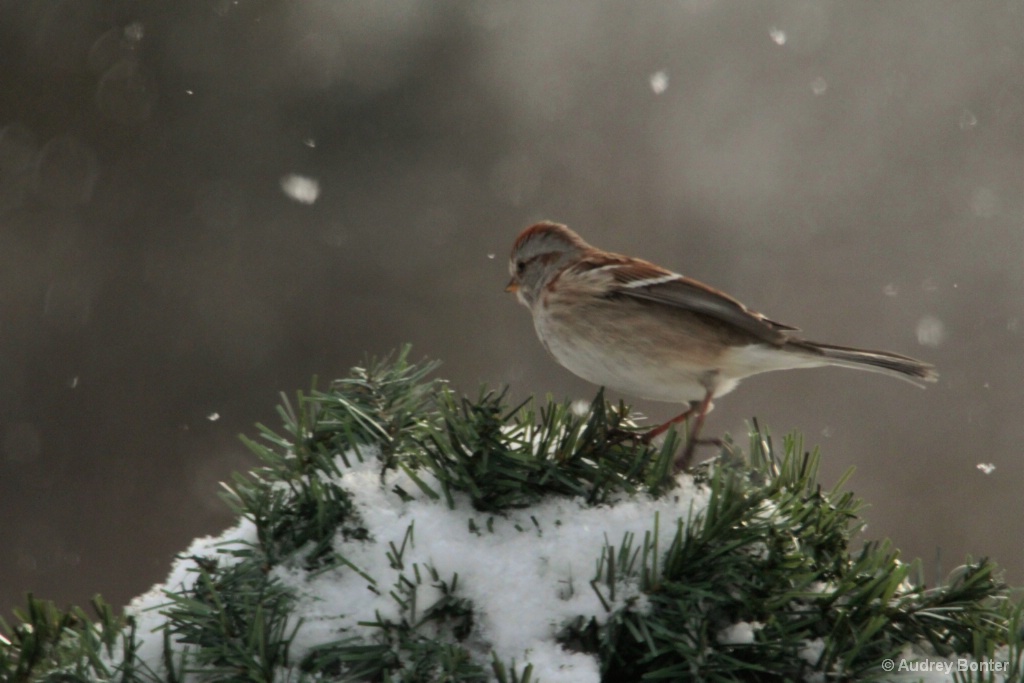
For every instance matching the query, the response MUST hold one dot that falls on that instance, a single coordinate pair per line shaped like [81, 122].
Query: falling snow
[930, 331]
[659, 82]
[301, 188]
[134, 32]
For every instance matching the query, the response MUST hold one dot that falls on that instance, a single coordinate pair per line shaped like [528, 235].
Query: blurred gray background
[203, 203]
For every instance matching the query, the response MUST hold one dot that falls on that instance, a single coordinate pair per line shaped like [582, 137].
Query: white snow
[740, 633]
[812, 650]
[526, 573]
[930, 331]
[967, 119]
[134, 32]
[659, 82]
[300, 188]
[580, 408]
[145, 608]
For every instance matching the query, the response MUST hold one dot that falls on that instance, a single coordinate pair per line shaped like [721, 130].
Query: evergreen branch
[770, 557]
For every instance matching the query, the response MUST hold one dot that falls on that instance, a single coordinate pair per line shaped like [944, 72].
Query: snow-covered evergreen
[397, 532]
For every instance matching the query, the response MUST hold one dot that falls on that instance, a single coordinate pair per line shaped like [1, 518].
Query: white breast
[626, 367]
[601, 352]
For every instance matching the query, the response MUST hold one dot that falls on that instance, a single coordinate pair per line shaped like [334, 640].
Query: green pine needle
[772, 552]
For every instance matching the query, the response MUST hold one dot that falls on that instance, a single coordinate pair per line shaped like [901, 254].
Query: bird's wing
[648, 282]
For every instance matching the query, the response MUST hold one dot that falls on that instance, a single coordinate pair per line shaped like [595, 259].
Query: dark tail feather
[885, 362]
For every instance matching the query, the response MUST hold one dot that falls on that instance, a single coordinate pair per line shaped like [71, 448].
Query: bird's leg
[692, 439]
[618, 435]
[701, 409]
[649, 436]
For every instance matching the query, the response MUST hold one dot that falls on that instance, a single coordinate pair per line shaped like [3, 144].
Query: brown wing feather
[691, 295]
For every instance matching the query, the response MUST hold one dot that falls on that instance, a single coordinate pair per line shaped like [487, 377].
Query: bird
[643, 330]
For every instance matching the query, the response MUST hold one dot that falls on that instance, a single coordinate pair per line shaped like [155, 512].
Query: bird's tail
[885, 362]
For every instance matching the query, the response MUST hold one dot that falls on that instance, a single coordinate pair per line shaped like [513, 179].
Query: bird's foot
[616, 436]
[682, 463]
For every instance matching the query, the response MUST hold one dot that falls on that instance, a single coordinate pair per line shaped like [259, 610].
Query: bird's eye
[520, 267]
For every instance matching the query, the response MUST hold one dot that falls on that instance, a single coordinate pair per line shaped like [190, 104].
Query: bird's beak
[512, 286]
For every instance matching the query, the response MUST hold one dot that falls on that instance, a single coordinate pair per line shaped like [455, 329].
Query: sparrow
[630, 325]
